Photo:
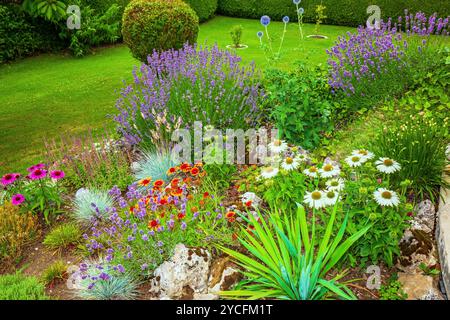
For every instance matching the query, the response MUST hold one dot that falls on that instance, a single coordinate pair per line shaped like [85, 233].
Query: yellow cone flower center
[386, 195]
[289, 160]
[363, 152]
[355, 159]
[334, 183]
[313, 169]
[330, 194]
[388, 162]
[328, 167]
[316, 195]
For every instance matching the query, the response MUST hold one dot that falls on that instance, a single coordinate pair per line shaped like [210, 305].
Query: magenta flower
[57, 174]
[36, 166]
[17, 199]
[9, 178]
[38, 174]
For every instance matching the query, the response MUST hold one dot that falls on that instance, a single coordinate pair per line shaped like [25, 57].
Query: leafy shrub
[56, 271]
[392, 291]
[21, 35]
[16, 230]
[63, 236]
[220, 174]
[374, 65]
[205, 9]
[91, 204]
[20, 287]
[302, 106]
[150, 25]
[297, 263]
[419, 145]
[98, 163]
[338, 12]
[96, 28]
[52, 10]
[187, 85]
[236, 35]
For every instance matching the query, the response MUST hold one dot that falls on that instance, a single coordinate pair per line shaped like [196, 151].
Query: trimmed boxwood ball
[159, 25]
[205, 9]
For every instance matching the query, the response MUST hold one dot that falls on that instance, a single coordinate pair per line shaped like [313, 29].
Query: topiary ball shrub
[159, 25]
[205, 9]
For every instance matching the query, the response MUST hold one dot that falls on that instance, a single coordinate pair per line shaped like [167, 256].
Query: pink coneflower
[57, 174]
[38, 174]
[36, 166]
[9, 178]
[17, 199]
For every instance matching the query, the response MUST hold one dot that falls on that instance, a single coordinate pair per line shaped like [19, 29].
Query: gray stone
[425, 217]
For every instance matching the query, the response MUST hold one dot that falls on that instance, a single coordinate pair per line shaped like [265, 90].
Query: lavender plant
[177, 87]
[375, 64]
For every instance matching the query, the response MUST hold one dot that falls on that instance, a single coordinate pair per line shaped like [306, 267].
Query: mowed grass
[50, 95]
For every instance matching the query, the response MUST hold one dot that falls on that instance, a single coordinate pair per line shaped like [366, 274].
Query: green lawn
[50, 95]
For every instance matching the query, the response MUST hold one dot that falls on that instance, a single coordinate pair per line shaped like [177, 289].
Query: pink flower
[36, 166]
[17, 199]
[38, 174]
[57, 174]
[9, 178]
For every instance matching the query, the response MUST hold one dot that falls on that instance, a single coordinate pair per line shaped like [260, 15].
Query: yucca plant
[287, 261]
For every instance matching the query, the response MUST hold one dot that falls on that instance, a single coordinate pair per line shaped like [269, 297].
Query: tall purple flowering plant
[177, 87]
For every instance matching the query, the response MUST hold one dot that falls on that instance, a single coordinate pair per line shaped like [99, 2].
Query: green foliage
[320, 17]
[21, 35]
[287, 261]
[90, 204]
[52, 10]
[63, 236]
[56, 271]
[205, 9]
[392, 291]
[419, 145]
[303, 109]
[429, 271]
[236, 35]
[221, 174]
[96, 28]
[338, 12]
[158, 25]
[20, 287]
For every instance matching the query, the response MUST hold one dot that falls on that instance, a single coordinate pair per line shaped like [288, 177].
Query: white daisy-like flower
[331, 197]
[315, 199]
[387, 165]
[278, 146]
[329, 170]
[302, 157]
[385, 197]
[336, 184]
[363, 153]
[311, 172]
[269, 172]
[289, 164]
[355, 161]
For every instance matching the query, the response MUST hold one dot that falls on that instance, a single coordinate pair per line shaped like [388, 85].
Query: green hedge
[205, 9]
[339, 12]
[21, 35]
[100, 6]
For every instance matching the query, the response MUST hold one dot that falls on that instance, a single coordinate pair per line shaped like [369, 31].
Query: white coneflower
[311, 172]
[363, 153]
[355, 161]
[278, 146]
[329, 170]
[315, 199]
[331, 197]
[269, 172]
[290, 164]
[302, 157]
[336, 184]
[386, 197]
[387, 165]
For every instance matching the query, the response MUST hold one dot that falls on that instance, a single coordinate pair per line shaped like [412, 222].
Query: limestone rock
[191, 274]
[425, 217]
[185, 274]
[419, 287]
[416, 247]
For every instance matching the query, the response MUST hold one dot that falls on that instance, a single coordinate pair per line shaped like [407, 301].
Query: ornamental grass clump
[177, 87]
[373, 64]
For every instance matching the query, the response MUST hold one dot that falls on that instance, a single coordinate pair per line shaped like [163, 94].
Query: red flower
[171, 171]
[195, 171]
[153, 224]
[185, 167]
[206, 195]
[181, 215]
[145, 182]
[231, 216]
[158, 183]
[248, 203]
